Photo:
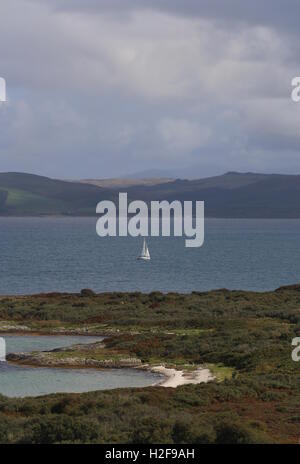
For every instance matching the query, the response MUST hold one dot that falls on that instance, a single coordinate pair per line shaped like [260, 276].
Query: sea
[64, 254]
[21, 381]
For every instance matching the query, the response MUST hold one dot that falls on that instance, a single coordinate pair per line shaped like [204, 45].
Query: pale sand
[174, 378]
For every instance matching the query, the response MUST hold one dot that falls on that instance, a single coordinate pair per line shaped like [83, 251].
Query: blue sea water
[65, 254]
[23, 381]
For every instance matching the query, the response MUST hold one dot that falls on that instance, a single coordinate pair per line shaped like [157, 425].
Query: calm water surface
[27, 381]
[65, 254]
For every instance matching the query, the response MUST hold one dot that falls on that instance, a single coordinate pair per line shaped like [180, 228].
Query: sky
[107, 88]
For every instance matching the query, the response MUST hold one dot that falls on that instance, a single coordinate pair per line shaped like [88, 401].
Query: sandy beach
[175, 378]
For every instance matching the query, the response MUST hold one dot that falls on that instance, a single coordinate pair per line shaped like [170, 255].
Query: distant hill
[233, 194]
[236, 195]
[28, 194]
[153, 174]
[121, 183]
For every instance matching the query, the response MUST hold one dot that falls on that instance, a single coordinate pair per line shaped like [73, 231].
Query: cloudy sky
[100, 88]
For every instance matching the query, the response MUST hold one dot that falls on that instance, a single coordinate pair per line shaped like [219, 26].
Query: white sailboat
[145, 255]
[2, 350]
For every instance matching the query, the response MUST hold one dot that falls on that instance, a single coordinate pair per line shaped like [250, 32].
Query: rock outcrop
[47, 359]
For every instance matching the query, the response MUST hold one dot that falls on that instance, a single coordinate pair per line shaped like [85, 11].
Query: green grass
[20, 201]
[221, 372]
[36, 195]
[98, 355]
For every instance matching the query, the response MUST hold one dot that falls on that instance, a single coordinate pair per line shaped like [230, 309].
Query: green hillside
[26, 202]
[28, 194]
[233, 195]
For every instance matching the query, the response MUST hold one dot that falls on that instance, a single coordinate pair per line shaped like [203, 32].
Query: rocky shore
[87, 356]
[47, 359]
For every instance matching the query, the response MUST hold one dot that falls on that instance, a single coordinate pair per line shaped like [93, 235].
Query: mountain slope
[233, 194]
[24, 194]
[121, 183]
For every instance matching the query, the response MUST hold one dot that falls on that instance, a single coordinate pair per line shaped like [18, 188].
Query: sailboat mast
[145, 251]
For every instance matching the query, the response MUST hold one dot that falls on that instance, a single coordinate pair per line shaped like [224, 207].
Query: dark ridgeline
[232, 195]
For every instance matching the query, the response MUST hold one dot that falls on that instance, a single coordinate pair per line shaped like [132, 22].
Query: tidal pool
[21, 381]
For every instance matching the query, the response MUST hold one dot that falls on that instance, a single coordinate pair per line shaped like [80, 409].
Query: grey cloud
[101, 95]
[274, 13]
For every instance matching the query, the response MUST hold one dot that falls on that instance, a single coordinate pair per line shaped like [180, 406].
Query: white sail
[2, 349]
[145, 252]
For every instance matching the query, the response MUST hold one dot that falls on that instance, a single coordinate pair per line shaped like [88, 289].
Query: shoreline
[35, 333]
[174, 378]
[64, 293]
[171, 377]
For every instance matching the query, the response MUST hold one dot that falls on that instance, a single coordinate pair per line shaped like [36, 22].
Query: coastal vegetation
[244, 338]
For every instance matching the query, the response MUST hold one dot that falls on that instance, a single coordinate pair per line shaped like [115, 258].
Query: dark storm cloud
[274, 13]
[100, 88]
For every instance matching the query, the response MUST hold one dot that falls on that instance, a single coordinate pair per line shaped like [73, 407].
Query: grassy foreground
[243, 337]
